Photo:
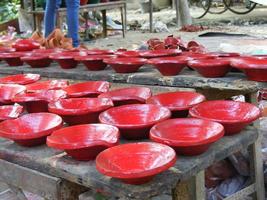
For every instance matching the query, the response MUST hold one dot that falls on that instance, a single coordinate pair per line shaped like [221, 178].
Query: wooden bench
[102, 7]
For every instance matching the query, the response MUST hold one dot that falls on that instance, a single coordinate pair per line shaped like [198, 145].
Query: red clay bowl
[80, 110]
[187, 136]
[13, 59]
[135, 120]
[38, 101]
[10, 112]
[64, 61]
[84, 142]
[37, 60]
[131, 95]
[135, 163]
[99, 52]
[87, 89]
[47, 85]
[160, 53]
[4, 49]
[254, 68]
[94, 62]
[198, 56]
[25, 45]
[21, 79]
[225, 54]
[48, 51]
[211, 68]
[169, 66]
[30, 129]
[125, 65]
[178, 102]
[128, 54]
[9, 91]
[233, 115]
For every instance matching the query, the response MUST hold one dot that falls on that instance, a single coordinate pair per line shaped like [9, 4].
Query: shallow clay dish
[47, 85]
[21, 79]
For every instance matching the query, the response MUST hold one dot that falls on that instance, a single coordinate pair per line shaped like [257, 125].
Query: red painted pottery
[13, 59]
[187, 136]
[178, 102]
[4, 49]
[10, 112]
[9, 91]
[198, 56]
[47, 85]
[160, 53]
[131, 95]
[47, 51]
[227, 55]
[169, 66]
[21, 79]
[254, 68]
[99, 52]
[37, 61]
[38, 101]
[87, 89]
[64, 61]
[84, 142]
[135, 163]
[30, 129]
[25, 45]
[94, 62]
[80, 110]
[211, 68]
[135, 120]
[128, 53]
[125, 65]
[233, 115]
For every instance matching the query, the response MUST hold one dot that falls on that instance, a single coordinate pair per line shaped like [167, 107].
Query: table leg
[104, 17]
[151, 16]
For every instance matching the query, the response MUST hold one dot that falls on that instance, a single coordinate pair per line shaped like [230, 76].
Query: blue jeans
[72, 18]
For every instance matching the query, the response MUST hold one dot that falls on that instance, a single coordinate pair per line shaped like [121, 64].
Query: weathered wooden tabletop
[146, 75]
[56, 163]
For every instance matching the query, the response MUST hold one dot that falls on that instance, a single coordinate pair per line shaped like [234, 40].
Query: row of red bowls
[168, 62]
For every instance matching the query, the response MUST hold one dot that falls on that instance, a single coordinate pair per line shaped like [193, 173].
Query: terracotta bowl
[211, 68]
[80, 110]
[198, 56]
[64, 61]
[135, 163]
[135, 120]
[48, 51]
[99, 52]
[30, 129]
[13, 59]
[84, 142]
[187, 136]
[47, 85]
[94, 62]
[233, 115]
[255, 68]
[227, 54]
[160, 53]
[131, 95]
[9, 91]
[4, 49]
[128, 54]
[21, 79]
[87, 89]
[25, 45]
[37, 61]
[169, 66]
[38, 101]
[178, 102]
[125, 65]
[10, 112]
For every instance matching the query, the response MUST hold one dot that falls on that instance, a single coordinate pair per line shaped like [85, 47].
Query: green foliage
[8, 9]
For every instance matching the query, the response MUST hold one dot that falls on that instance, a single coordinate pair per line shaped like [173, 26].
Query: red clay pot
[25, 45]
[64, 61]
[124, 96]
[84, 142]
[30, 129]
[13, 59]
[187, 136]
[80, 110]
[233, 115]
[94, 62]
[135, 120]
[178, 102]
[37, 61]
[135, 163]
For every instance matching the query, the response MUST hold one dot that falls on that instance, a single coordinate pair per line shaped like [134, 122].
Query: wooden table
[188, 173]
[103, 7]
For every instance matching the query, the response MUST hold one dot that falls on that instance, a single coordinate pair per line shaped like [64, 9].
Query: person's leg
[73, 20]
[50, 15]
